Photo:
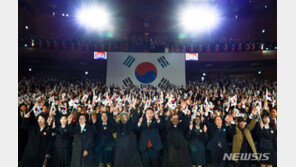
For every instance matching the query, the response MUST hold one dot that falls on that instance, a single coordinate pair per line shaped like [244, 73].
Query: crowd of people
[84, 123]
[142, 43]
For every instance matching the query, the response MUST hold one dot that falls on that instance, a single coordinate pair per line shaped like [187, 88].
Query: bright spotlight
[199, 18]
[86, 72]
[94, 17]
[204, 74]
[30, 69]
[259, 72]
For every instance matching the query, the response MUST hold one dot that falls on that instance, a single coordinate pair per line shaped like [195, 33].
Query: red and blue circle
[146, 72]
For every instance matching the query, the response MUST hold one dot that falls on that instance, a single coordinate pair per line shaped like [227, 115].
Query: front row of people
[170, 140]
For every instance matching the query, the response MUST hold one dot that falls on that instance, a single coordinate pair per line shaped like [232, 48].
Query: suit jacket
[238, 138]
[82, 142]
[218, 138]
[153, 135]
[39, 144]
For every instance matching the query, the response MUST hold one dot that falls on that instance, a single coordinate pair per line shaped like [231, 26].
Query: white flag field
[140, 69]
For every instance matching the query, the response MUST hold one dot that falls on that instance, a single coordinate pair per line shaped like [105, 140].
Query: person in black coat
[126, 152]
[218, 144]
[197, 137]
[63, 141]
[150, 143]
[82, 145]
[267, 141]
[103, 140]
[39, 141]
[22, 134]
[176, 153]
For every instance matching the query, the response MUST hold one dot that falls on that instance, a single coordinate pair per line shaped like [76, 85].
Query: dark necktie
[149, 141]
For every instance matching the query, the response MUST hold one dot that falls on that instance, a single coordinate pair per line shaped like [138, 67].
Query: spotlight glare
[259, 72]
[86, 72]
[94, 17]
[199, 18]
[204, 74]
[30, 69]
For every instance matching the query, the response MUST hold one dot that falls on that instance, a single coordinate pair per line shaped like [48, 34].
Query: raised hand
[261, 125]
[168, 113]
[28, 115]
[156, 116]
[49, 119]
[205, 128]
[140, 121]
[191, 126]
[85, 153]
[70, 118]
[254, 111]
[188, 112]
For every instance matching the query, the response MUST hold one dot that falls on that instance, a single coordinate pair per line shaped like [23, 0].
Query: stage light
[204, 74]
[86, 72]
[202, 78]
[263, 31]
[26, 27]
[265, 6]
[94, 17]
[30, 69]
[26, 45]
[236, 16]
[199, 18]
[67, 15]
[259, 72]
[267, 49]
[63, 14]
[53, 13]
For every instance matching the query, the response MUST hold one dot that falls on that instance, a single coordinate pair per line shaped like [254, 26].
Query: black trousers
[150, 158]
[245, 164]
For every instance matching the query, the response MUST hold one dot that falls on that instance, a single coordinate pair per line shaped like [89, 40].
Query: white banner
[140, 69]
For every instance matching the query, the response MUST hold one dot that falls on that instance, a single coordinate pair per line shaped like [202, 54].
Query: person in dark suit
[22, 134]
[82, 145]
[150, 142]
[197, 137]
[176, 153]
[103, 140]
[267, 140]
[62, 145]
[218, 144]
[39, 141]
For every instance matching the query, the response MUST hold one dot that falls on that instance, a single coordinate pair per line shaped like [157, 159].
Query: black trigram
[163, 62]
[127, 81]
[163, 83]
[129, 61]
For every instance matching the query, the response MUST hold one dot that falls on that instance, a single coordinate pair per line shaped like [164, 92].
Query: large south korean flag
[140, 69]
